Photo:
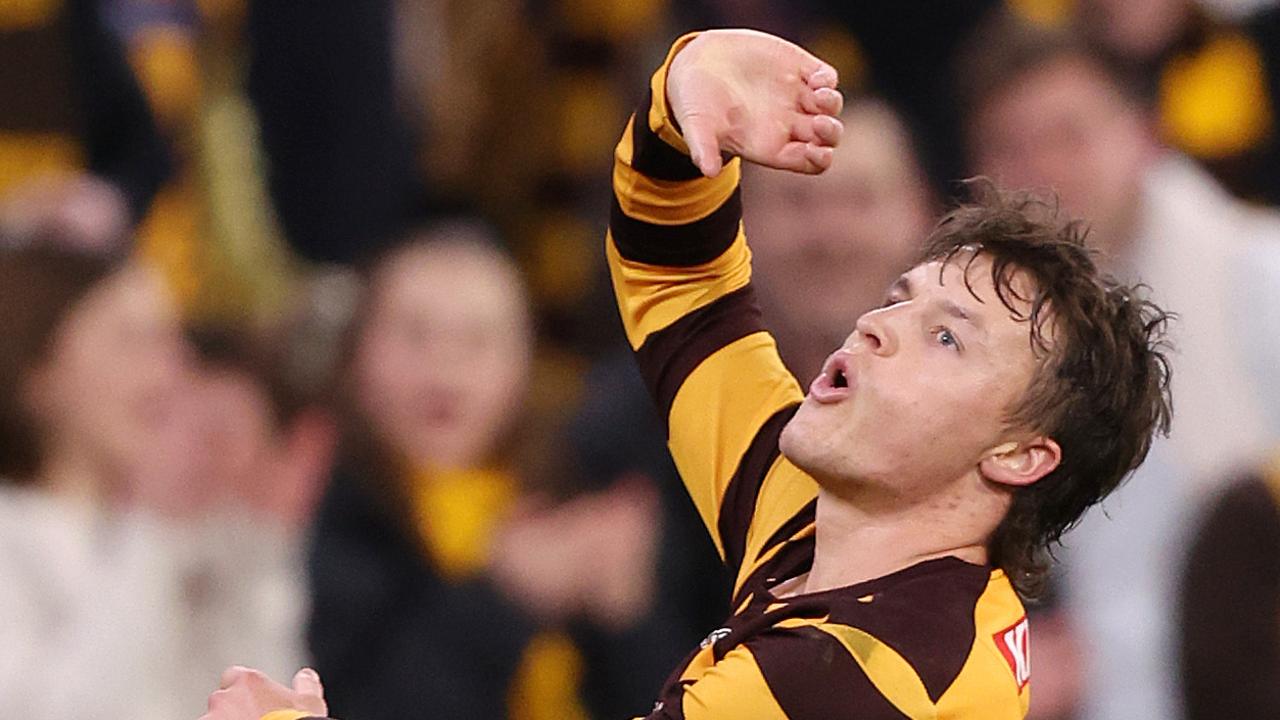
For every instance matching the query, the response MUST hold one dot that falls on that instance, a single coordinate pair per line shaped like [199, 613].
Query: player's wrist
[660, 116]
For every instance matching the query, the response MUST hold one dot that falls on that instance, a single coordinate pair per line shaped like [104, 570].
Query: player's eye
[891, 300]
[946, 338]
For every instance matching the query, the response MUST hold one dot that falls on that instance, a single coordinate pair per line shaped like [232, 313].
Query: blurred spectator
[79, 153]
[439, 581]
[616, 434]
[114, 557]
[1056, 657]
[338, 156]
[212, 227]
[903, 50]
[1229, 629]
[1213, 84]
[827, 247]
[1044, 112]
[269, 437]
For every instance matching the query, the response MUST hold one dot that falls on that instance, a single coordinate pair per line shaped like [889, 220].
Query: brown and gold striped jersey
[941, 639]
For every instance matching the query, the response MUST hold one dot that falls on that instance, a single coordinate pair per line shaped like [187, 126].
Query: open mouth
[838, 379]
[835, 382]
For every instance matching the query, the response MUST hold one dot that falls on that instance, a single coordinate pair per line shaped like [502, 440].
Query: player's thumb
[704, 149]
[306, 683]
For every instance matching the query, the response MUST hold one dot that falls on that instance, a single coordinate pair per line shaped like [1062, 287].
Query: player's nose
[874, 335]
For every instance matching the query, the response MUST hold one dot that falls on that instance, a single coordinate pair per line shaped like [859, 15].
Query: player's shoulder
[944, 634]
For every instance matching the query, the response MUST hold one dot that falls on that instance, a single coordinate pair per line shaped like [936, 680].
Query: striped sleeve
[681, 272]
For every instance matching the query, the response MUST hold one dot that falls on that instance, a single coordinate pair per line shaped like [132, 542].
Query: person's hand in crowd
[535, 559]
[83, 210]
[592, 556]
[620, 528]
[755, 96]
[247, 694]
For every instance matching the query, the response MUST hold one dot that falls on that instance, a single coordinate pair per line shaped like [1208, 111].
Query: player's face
[920, 390]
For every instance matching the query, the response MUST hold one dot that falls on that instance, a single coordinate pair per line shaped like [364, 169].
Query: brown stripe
[684, 245]
[738, 506]
[793, 560]
[669, 355]
[653, 157]
[925, 613]
[812, 676]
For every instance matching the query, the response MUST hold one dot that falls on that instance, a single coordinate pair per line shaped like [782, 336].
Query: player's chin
[814, 442]
[797, 441]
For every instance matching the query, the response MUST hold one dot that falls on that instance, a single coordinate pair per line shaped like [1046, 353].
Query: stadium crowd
[308, 354]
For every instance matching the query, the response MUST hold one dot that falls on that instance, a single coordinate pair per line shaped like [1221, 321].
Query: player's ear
[1018, 464]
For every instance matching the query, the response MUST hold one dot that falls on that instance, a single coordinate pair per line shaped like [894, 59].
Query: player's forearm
[665, 212]
[675, 239]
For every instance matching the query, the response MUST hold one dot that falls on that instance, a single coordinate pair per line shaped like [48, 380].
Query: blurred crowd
[308, 356]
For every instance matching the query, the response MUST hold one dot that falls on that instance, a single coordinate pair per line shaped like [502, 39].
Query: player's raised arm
[682, 271]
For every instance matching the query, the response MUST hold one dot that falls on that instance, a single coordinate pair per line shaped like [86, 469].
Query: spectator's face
[827, 246]
[111, 381]
[444, 356]
[1065, 127]
[919, 394]
[1136, 29]
[237, 436]
[242, 455]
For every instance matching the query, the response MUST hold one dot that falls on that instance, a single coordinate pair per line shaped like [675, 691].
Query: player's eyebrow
[902, 285]
[956, 311]
[960, 313]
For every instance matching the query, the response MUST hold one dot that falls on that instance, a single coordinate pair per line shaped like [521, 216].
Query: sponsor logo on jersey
[1014, 643]
[716, 636]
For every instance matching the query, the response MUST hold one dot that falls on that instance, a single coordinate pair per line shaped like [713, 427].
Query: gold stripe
[717, 412]
[892, 675]
[667, 202]
[986, 686]
[785, 491]
[672, 202]
[736, 690]
[650, 297]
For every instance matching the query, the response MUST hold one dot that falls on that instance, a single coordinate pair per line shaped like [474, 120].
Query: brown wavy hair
[1102, 386]
[40, 284]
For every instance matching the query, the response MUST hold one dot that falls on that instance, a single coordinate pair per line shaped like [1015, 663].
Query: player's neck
[854, 545]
